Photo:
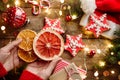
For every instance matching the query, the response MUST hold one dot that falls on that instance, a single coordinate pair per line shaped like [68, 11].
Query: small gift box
[67, 71]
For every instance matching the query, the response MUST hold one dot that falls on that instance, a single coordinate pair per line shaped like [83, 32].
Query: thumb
[12, 44]
[52, 65]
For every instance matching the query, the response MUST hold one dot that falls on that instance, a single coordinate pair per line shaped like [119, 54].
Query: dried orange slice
[27, 56]
[27, 37]
[48, 44]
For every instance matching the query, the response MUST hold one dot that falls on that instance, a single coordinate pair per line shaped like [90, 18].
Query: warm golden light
[17, 2]
[112, 72]
[102, 63]
[96, 74]
[60, 13]
[112, 53]
[8, 6]
[25, 1]
[62, 1]
[69, 7]
[74, 16]
[118, 62]
[86, 49]
[3, 28]
[98, 51]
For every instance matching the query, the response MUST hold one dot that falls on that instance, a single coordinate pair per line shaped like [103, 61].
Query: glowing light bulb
[98, 51]
[60, 12]
[8, 6]
[62, 1]
[3, 28]
[86, 49]
[112, 53]
[96, 74]
[74, 16]
[17, 3]
[101, 63]
[25, 1]
[112, 72]
[118, 62]
[69, 7]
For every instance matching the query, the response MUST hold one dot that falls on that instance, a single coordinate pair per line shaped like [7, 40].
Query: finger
[52, 65]
[16, 59]
[13, 51]
[12, 44]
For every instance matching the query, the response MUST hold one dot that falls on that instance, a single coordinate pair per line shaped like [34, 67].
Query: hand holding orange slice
[25, 51]
[27, 37]
[27, 56]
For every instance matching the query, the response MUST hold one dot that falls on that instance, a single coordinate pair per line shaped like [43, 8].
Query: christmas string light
[86, 49]
[26, 1]
[60, 13]
[62, 1]
[74, 16]
[112, 72]
[112, 53]
[98, 51]
[118, 62]
[8, 6]
[96, 74]
[3, 28]
[17, 3]
[102, 63]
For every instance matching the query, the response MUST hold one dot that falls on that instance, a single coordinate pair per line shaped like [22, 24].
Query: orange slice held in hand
[48, 44]
[27, 56]
[25, 51]
[27, 37]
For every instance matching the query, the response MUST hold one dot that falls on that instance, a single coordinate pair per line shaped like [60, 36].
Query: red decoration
[92, 53]
[15, 17]
[53, 24]
[68, 18]
[41, 4]
[106, 73]
[74, 44]
[98, 24]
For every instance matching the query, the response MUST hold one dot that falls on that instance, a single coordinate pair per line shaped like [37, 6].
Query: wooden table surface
[71, 28]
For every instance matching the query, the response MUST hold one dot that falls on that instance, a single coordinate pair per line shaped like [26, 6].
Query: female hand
[42, 69]
[8, 55]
